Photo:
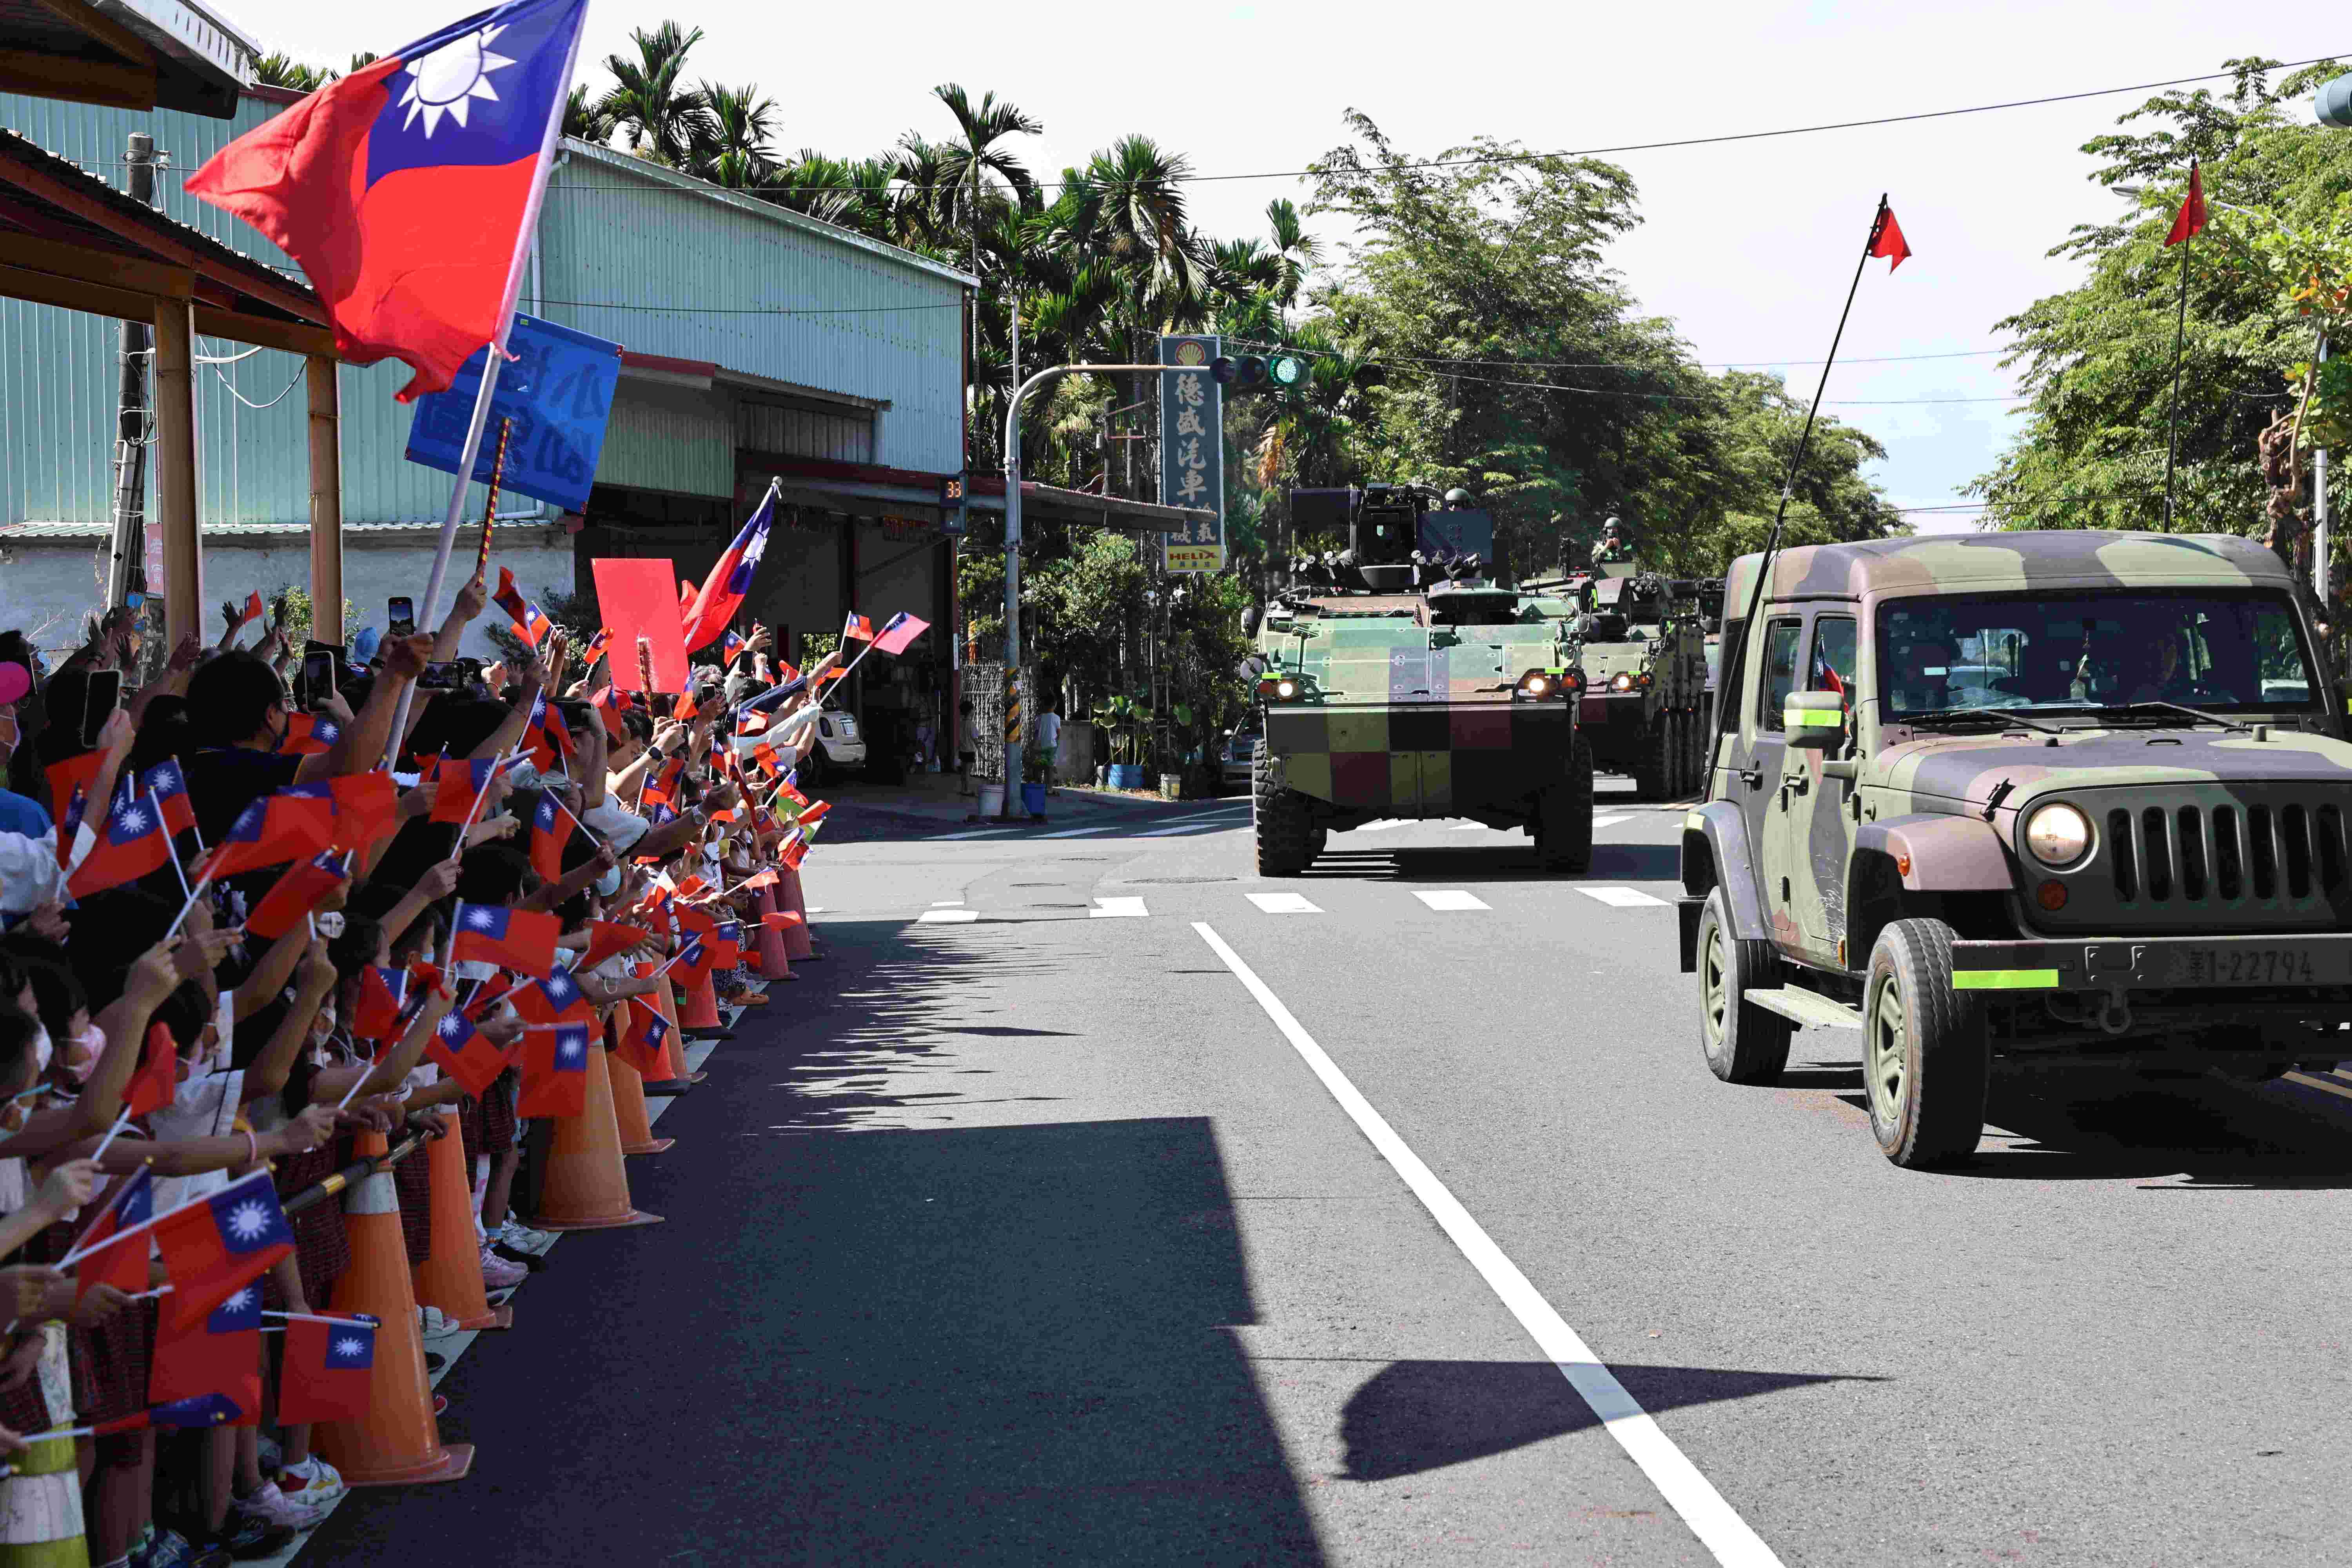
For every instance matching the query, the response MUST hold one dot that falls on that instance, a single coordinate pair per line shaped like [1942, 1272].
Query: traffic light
[1285, 370]
[2334, 104]
[952, 505]
[1243, 373]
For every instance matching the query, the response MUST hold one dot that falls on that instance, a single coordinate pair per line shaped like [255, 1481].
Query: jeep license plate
[2256, 965]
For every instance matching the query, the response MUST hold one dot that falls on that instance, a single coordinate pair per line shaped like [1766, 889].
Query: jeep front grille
[2285, 857]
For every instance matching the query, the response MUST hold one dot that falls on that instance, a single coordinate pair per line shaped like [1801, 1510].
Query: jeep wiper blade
[2198, 713]
[2003, 715]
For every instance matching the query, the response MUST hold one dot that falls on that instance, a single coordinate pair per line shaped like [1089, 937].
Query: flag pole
[526, 240]
[2172, 419]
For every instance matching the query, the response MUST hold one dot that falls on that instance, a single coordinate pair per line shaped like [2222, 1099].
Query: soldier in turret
[1613, 547]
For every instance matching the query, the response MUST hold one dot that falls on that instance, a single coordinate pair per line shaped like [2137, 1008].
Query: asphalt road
[1023, 1231]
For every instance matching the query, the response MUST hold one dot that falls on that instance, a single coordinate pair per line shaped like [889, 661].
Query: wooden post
[326, 502]
[175, 470]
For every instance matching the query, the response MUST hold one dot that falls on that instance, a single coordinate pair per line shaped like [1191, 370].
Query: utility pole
[129, 510]
[2319, 520]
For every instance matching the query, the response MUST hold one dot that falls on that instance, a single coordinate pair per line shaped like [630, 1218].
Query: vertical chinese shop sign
[1192, 452]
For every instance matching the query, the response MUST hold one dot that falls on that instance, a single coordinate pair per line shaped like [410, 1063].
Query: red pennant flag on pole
[1887, 240]
[2191, 219]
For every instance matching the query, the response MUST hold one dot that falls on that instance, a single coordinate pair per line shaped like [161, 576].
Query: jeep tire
[1925, 1060]
[1279, 817]
[1743, 1043]
[1563, 816]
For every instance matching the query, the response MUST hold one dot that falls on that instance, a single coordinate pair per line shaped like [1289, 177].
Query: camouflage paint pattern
[1402, 718]
[2204, 839]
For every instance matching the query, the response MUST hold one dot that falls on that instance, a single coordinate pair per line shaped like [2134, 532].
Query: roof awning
[912, 492]
[124, 54]
[69, 238]
[1054, 504]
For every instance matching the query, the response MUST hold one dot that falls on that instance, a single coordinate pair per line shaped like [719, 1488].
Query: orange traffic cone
[586, 1186]
[796, 936]
[668, 999]
[699, 1009]
[397, 1442]
[629, 1099]
[451, 1279]
[776, 963]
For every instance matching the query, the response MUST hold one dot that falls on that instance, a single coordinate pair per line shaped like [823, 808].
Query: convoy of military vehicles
[2051, 800]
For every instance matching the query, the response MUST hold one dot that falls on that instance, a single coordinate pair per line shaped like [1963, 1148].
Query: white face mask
[82, 1052]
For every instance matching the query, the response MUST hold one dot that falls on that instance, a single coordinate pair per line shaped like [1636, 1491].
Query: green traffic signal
[1285, 370]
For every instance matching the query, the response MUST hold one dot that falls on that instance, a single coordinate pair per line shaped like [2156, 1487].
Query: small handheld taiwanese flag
[383, 993]
[902, 630]
[520, 940]
[554, 1000]
[644, 1040]
[310, 735]
[856, 629]
[727, 944]
[554, 1072]
[466, 1054]
[367, 809]
[131, 843]
[462, 780]
[288, 826]
[157, 1078]
[221, 1242]
[610, 939]
[531, 622]
[221, 1355]
[548, 838]
[329, 1369]
[253, 609]
[301, 888]
[167, 787]
[123, 1265]
[205, 1410]
[730, 645]
[595, 649]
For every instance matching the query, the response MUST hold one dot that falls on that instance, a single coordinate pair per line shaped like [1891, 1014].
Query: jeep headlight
[2058, 836]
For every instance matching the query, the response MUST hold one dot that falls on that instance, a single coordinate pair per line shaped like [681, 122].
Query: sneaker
[516, 1233]
[169, 1549]
[312, 1481]
[531, 1260]
[248, 1539]
[432, 1323]
[270, 1505]
[434, 1361]
[756, 1000]
[497, 1273]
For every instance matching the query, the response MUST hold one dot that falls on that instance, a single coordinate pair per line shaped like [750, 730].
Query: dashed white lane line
[947, 903]
[1453, 898]
[1118, 908]
[1284, 904]
[1623, 897]
[1601, 821]
[947, 916]
[1381, 825]
[976, 833]
[1178, 827]
[1690, 1494]
[1077, 831]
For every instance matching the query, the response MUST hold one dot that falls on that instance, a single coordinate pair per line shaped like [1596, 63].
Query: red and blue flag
[285, 826]
[383, 993]
[645, 1038]
[124, 1267]
[531, 622]
[222, 1355]
[328, 1370]
[706, 612]
[408, 191]
[168, 787]
[301, 888]
[554, 1072]
[520, 940]
[462, 780]
[311, 735]
[215, 1246]
[902, 630]
[131, 843]
[466, 1054]
[730, 646]
[546, 839]
[205, 1410]
[856, 629]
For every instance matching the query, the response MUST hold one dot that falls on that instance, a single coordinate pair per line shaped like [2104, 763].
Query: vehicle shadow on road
[1416, 1416]
[1485, 863]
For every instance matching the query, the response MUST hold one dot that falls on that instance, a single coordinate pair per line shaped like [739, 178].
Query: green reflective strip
[1812, 718]
[2004, 980]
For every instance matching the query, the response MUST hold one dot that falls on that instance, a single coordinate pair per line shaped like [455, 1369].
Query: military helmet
[1457, 499]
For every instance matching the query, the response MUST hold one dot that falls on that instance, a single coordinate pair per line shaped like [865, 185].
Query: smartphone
[319, 661]
[105, 694]
[444, 677]
[400, 616]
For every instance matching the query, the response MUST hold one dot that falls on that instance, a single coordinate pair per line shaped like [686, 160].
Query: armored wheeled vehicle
[1401, 681]
[1640, 641]
[2073, 799]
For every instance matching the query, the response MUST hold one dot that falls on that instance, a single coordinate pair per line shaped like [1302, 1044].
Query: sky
[1747, 248]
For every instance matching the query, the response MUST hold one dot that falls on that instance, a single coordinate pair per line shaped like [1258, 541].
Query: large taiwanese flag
[407, 190]
[707, 613]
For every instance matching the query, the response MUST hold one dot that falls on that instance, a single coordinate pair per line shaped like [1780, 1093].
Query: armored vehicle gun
[1399, 679]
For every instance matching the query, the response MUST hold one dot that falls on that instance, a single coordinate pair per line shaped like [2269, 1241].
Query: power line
[1490, 158]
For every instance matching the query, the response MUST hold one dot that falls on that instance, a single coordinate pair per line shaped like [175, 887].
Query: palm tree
[663, 122]
[738, 122]
[1297, 251]
[586, 119]
[977, 164]
[279, 70]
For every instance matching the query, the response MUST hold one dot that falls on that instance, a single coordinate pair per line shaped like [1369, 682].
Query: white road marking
[1473, 827]
[1118, 908]
[1599, 822]
[1690, 1494]
[1623, 897]
[1284, 904]
[817, 909]
[947, 916]
[947, 903]
[976, 833]
[1077, 831]
[1381, 825]
[1453, 898]
[1179, 828]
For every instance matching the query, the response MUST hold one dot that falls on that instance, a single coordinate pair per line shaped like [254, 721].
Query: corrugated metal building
[758, 344]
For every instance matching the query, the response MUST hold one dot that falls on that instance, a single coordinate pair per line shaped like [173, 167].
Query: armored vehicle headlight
[1621, 681]
[1537, 683]
[1286, 688]
[2058, 836]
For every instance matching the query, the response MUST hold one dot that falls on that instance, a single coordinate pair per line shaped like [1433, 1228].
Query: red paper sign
[638, 600]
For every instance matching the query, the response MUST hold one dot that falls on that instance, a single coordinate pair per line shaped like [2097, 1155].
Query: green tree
[276, 69]
[2096, 360]
[657, 116]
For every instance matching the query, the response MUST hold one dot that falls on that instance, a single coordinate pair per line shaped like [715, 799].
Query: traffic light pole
[1012, 537]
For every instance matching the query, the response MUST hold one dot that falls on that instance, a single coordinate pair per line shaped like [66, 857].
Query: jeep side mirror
[1814, 720]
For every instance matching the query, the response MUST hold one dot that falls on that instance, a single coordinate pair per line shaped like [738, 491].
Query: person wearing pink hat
[18, 813]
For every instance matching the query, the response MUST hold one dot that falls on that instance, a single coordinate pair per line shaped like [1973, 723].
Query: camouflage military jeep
[2064, 798]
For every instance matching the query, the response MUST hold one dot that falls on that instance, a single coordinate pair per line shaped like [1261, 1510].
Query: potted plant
[1123, 718]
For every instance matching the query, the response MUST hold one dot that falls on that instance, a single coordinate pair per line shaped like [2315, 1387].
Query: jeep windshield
[2109, 654]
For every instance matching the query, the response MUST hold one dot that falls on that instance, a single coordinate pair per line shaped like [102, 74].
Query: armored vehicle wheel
[1744, 1044]
[1317, 838]
[1280, 817]
[1653, 775]
[1563, 822]
[1924, 1057]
